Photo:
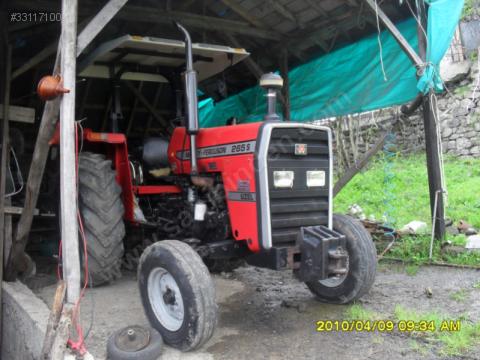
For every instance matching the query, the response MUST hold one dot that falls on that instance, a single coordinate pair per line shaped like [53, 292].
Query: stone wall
[459, 118]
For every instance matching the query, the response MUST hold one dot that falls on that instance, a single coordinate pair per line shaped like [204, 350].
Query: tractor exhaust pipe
[191, 107]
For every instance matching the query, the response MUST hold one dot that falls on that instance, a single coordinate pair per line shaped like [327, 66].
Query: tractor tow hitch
[323, 253]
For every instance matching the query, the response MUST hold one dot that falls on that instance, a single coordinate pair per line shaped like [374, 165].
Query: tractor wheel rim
[166, 299]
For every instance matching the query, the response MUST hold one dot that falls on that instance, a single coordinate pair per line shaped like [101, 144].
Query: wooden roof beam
[91, 28]
[146, 14]
[318, 8]
[287, 14]
[242, 12]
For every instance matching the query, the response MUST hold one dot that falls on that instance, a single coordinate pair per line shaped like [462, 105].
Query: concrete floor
[269, 315]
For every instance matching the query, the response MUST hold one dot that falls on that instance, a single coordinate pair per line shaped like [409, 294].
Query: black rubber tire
[151, 352]
[196, 286]
[101, 207]
[362, 264]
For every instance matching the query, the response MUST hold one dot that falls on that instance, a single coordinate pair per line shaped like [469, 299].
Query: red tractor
[259, 191]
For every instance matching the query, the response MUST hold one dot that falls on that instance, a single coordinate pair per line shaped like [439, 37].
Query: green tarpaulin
[350, 80]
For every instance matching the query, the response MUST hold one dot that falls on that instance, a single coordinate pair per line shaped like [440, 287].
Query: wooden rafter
[287, 14]
[154, 15]
[318, 7]
[244, 13]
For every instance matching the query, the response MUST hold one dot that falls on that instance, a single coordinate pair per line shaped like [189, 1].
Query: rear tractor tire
[362, 265]
[101, 207]
[178, 294]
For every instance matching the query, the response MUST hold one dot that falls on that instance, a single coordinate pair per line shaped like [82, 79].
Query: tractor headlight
[315, 178]
[283, 179]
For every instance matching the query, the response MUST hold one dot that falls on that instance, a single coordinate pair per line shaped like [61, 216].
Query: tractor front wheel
[178, 294]
[101, 207]
[362, 264]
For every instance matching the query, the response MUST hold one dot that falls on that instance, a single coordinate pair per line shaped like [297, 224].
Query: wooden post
[3, 169]
[40, 153]
[359, 165]
[286, 85]
[98, 23]
[53, 320]
[68, 183]
[430, 118]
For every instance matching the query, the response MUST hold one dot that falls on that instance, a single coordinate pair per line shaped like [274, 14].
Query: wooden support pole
[3, 165]
[286, 85]
[359, 165]
[131, 116]
[88, 33]
[35, 175]
[53, 320]
[62, 332]
[68, 183]
[32, 188]
[98, 23]
[430, 118]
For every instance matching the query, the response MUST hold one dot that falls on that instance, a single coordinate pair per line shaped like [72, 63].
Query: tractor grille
[299, 206]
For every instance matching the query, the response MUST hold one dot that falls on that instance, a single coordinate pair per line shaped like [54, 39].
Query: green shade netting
[443, 18]
[350, 80]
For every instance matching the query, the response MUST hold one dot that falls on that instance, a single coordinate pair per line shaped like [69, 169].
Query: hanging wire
[20, 177]
[380, 43]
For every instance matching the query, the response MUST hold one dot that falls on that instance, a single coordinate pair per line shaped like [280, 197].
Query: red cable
[79, 345]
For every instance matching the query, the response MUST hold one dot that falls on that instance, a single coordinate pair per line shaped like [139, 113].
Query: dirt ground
[269, 315]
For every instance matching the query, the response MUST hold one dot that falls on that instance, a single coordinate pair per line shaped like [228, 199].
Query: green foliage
[452, 342]
[473, 56]
[469, 8]
[462, 90]
[457, 342]
[411, 201]
[358, 312]
[404, 314]
[459, 296]
[411, 270]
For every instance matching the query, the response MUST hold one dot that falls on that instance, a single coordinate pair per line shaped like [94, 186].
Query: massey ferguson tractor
[259, 191]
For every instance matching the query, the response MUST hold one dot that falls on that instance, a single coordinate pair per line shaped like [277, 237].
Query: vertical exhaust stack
[271, 83]
[191, 106]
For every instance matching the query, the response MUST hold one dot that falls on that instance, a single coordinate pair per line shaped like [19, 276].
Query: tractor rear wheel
[101, 207]
[178, 294]
[362, 265]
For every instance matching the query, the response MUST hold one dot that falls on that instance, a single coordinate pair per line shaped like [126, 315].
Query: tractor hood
[145, 58]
